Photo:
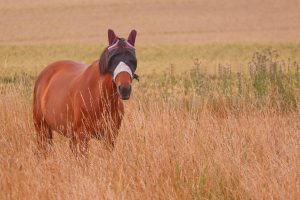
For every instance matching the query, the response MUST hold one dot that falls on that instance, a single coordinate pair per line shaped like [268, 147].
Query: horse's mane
[103, 62]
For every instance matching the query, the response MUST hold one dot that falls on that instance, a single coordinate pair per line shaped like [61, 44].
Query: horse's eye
[133, 62]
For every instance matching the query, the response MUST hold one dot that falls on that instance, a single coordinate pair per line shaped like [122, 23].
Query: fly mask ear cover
[122, 67]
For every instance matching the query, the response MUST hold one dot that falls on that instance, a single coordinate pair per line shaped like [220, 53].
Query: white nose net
[122, 67]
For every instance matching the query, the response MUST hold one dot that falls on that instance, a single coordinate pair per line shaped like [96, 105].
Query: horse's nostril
[124, 90]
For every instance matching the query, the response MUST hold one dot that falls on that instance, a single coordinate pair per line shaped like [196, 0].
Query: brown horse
[84, 102]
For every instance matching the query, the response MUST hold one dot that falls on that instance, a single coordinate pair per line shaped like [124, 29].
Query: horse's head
[120, 61]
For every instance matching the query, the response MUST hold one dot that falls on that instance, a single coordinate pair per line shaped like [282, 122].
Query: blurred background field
[158, 21]
[214, 116]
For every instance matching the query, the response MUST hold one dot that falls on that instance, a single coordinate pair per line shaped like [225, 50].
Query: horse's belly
[58, 110]
[60, 123]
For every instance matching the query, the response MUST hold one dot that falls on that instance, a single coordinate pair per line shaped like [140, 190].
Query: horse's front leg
[79, 141]
[112, 132]
[109, 141]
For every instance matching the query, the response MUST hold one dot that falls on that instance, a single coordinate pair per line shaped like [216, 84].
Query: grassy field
[214, 116]
[188, 135]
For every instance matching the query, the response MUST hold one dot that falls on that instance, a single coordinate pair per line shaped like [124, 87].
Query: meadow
[187, 133]
[215, 114]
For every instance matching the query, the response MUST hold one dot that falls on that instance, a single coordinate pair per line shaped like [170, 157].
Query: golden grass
[164, 151]
[182, 147]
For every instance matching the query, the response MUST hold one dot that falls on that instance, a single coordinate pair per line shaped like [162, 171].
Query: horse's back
[62, 71]
[65, 67]
[52, 90]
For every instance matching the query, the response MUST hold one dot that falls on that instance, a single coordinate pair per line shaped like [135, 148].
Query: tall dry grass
[174, 143]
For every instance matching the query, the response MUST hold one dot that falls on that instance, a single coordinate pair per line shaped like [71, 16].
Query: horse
[85, 102]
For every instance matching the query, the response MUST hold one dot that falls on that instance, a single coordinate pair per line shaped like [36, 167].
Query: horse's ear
[131, 37]
[111, 36]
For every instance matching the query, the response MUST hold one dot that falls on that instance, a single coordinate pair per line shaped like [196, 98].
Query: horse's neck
[102, 84]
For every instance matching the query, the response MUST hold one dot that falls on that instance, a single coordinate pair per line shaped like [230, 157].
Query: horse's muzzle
[124, 92]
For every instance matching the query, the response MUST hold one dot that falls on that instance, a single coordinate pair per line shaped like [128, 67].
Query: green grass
[32, 58]
[270, 84]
